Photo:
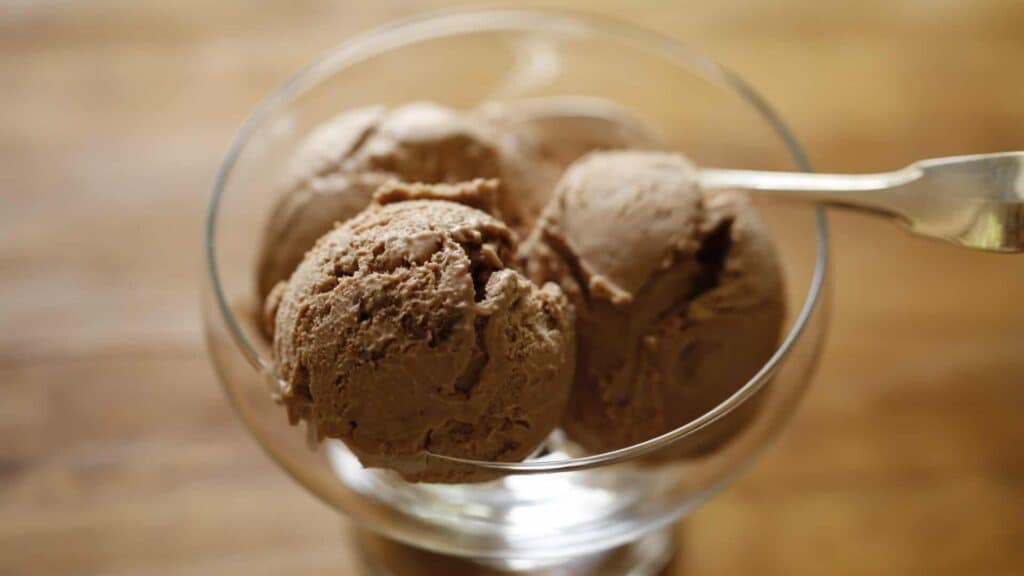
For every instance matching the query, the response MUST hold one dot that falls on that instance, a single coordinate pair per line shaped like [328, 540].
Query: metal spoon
[974, 201]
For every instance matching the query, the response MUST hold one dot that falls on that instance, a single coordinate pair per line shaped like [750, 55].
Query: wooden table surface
[119, 455]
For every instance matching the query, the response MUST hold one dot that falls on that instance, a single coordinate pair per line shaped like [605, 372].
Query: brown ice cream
[526, 145]
[550, 133]
[336, 170]
[404, 330]
[318, 192]
[679, 297]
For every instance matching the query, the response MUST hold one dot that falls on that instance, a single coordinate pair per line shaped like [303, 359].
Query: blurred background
[119, 454]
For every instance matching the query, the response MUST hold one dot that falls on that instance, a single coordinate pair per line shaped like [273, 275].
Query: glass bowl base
[542, 518]
[651, 555]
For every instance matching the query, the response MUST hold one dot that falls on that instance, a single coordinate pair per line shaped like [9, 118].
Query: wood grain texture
[118, 454]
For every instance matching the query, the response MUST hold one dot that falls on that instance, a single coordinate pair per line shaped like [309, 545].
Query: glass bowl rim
[449, 23]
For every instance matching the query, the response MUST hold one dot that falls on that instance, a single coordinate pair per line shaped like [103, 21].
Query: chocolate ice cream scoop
[405, 331]
[550, 133]
[679, 297]
[335, 171]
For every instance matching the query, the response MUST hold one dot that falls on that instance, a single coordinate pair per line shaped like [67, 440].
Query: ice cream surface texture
[550, 133]
[405, 330]
[338, 167]
[341, 163]
[679, 296]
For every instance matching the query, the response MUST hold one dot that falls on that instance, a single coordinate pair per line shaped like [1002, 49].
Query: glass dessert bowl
[561, 507]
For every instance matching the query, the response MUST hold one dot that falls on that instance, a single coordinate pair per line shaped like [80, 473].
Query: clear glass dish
[554, 509]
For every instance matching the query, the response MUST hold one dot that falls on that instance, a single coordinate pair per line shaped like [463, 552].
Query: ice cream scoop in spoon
[974, 201]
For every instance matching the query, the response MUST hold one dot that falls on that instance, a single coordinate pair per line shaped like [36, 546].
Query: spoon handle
[859, 191]
[973, 201]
